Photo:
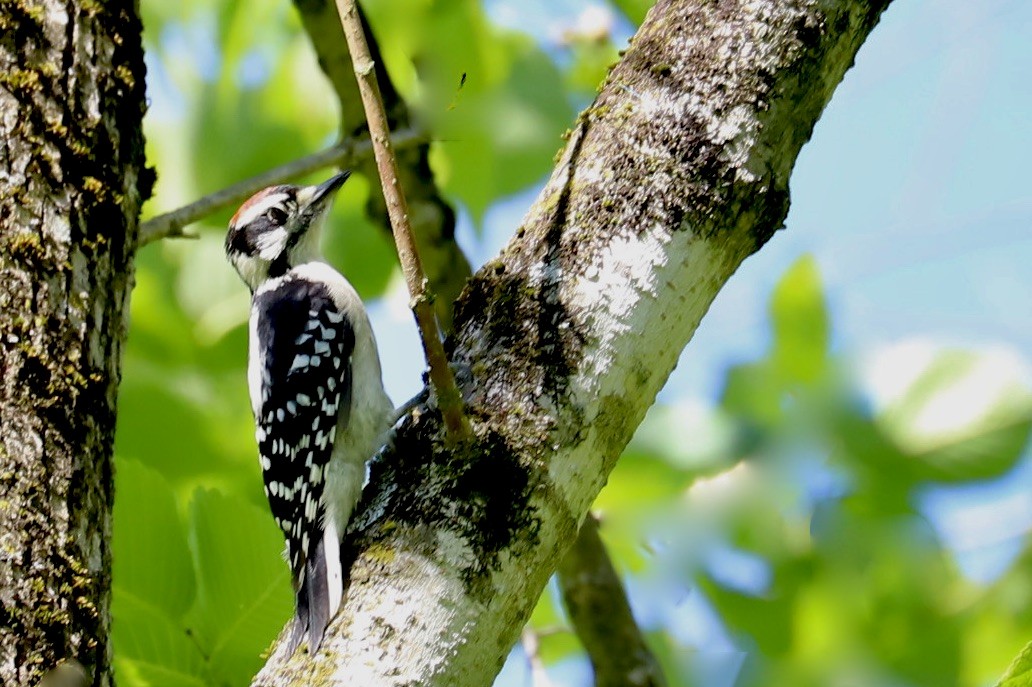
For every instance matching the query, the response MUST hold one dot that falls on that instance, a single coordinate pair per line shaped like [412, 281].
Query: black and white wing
[300, 384]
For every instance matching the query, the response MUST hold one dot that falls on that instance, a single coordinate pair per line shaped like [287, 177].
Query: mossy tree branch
[597, 607]
[675, 175]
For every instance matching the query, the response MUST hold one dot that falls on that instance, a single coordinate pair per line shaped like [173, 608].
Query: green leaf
[1019, 673]
[556, 641]
[965, 416]
[767, 620]
[800, 320]
[153, 583]
[237, 133]
[558, 645]
[244, 595]
[503, 132]
[591, 62]
[753, 393]
[494, 100]
[151, 561]
[150, 648]
[152, 414]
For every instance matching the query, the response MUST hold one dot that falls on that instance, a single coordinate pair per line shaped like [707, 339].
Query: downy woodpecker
[313, 372]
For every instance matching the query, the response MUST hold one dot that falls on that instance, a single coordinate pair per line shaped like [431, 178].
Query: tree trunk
[71, 184]
[676, 174]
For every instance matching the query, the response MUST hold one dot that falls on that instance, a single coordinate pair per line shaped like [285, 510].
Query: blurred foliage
[790, 514]
[492, 98]
[785, 514]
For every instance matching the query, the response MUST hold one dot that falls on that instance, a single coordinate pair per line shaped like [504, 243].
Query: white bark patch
[421, 635]
[639, 302]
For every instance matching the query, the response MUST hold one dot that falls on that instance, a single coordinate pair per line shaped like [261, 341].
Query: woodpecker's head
[278, 228]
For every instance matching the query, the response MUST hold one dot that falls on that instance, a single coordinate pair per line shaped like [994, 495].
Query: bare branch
[344, 154]
[448, 397]
[597, 607]
[431, 217]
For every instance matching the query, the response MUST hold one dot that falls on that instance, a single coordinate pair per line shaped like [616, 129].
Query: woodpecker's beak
[326, 190]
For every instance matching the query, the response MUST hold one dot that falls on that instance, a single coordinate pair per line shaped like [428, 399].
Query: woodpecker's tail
[318, 596]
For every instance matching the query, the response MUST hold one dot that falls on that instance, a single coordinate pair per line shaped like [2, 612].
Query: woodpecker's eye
[276, 215]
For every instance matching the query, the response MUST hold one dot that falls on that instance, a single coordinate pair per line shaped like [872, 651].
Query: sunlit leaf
[965, 416]
[1019, 673]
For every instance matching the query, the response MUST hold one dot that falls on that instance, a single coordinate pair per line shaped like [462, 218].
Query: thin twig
[343, 154]
[448, 397]
[432, 217]
[597, 607]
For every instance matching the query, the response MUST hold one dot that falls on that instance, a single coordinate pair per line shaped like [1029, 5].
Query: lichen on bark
[71, 183]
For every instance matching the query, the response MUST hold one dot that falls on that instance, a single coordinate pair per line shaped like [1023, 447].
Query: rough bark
[432, 219]
[676, 174]
[71, 184]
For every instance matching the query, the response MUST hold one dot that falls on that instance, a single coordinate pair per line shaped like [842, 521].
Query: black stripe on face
[265, 211]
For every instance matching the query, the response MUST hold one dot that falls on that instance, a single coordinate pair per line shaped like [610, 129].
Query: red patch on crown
[251, 202]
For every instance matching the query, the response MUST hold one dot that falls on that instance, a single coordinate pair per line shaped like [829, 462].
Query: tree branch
[449, 400]
[676, 174]
[432, 219]
[597, 607]
[335, 60]
[344, 154]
